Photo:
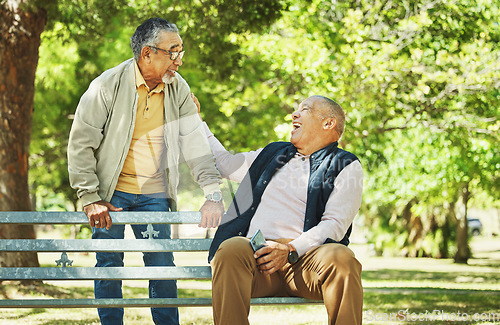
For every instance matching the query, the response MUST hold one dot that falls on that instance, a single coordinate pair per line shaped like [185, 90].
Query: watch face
[293, 257]
[217, 196]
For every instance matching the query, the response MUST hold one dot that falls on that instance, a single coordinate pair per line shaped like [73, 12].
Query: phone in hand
[257, 241]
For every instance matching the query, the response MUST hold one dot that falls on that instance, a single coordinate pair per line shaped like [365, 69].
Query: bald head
[330, 108]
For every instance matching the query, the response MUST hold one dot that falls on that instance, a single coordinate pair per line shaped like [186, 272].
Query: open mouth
[296, 126]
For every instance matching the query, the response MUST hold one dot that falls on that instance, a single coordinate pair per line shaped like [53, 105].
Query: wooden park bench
[64, 270]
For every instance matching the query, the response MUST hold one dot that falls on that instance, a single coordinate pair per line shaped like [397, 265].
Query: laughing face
[309, 127]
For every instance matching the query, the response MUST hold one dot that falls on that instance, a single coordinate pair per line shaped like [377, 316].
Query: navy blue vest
[326, 164]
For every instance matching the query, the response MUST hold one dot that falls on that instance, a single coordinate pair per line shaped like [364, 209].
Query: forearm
[317, 235]
[82, 172]
[194, 144]
[231, 166]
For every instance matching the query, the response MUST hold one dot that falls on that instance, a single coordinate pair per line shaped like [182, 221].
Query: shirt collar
[299, 155]
[139, 81]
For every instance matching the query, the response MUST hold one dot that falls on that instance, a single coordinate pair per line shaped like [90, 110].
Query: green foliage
[418, 80]
[55, 99]
[422, 104]
[83, 39]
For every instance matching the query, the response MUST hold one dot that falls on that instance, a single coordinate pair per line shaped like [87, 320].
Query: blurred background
[419, 81]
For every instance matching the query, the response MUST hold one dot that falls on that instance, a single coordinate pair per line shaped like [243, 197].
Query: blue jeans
[157, 288]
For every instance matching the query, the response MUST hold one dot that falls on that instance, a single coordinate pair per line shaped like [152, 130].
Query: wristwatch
[293, 256]
[214, 197]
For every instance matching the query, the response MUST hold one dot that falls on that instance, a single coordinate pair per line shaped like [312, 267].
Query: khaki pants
[329, 272]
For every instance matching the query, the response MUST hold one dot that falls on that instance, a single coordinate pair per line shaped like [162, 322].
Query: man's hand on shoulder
[98, 214]
[197, 103]
[211, 214]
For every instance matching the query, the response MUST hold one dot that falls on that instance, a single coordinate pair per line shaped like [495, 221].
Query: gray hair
[148, 34]
[330, 108]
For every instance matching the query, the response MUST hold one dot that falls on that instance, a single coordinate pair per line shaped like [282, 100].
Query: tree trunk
[463, 250]
[19, 42]
[446, 231]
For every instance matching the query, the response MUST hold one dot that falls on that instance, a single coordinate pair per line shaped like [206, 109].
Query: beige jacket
[102, 131]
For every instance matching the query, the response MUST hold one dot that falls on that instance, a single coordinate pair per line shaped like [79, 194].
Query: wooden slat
[106, 273]
[125, 217]
[104, 245]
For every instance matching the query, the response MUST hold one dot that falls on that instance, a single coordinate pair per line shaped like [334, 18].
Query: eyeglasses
[173, 55]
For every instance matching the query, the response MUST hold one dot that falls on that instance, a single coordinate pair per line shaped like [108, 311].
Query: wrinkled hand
[98, 214]
[272, 257]
[197, 103]
[211, 214]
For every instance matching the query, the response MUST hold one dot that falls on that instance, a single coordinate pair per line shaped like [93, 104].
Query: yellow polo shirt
[143, 172]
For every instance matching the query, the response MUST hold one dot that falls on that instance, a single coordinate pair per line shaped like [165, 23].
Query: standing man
[303, 196]
[131, 129]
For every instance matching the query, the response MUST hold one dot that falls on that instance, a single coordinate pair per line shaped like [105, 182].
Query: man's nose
[178, 61]
[295, 115]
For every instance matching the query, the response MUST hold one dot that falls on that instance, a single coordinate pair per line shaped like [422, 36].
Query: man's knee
[232, 250]
[340, 258]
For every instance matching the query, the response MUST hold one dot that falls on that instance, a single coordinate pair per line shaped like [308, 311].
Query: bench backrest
[62, 272]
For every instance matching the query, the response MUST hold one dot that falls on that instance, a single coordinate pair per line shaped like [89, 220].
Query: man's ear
[329, 123]
[146, 54]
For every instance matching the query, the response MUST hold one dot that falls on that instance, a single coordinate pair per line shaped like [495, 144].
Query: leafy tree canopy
[419, 82]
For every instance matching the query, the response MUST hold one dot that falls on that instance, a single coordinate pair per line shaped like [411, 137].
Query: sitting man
[303, 196]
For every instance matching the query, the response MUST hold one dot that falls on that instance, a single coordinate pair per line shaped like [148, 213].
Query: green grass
[397, 290]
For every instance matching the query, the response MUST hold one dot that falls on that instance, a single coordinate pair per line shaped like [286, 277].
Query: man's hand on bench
[211, 214]
[98, 214]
